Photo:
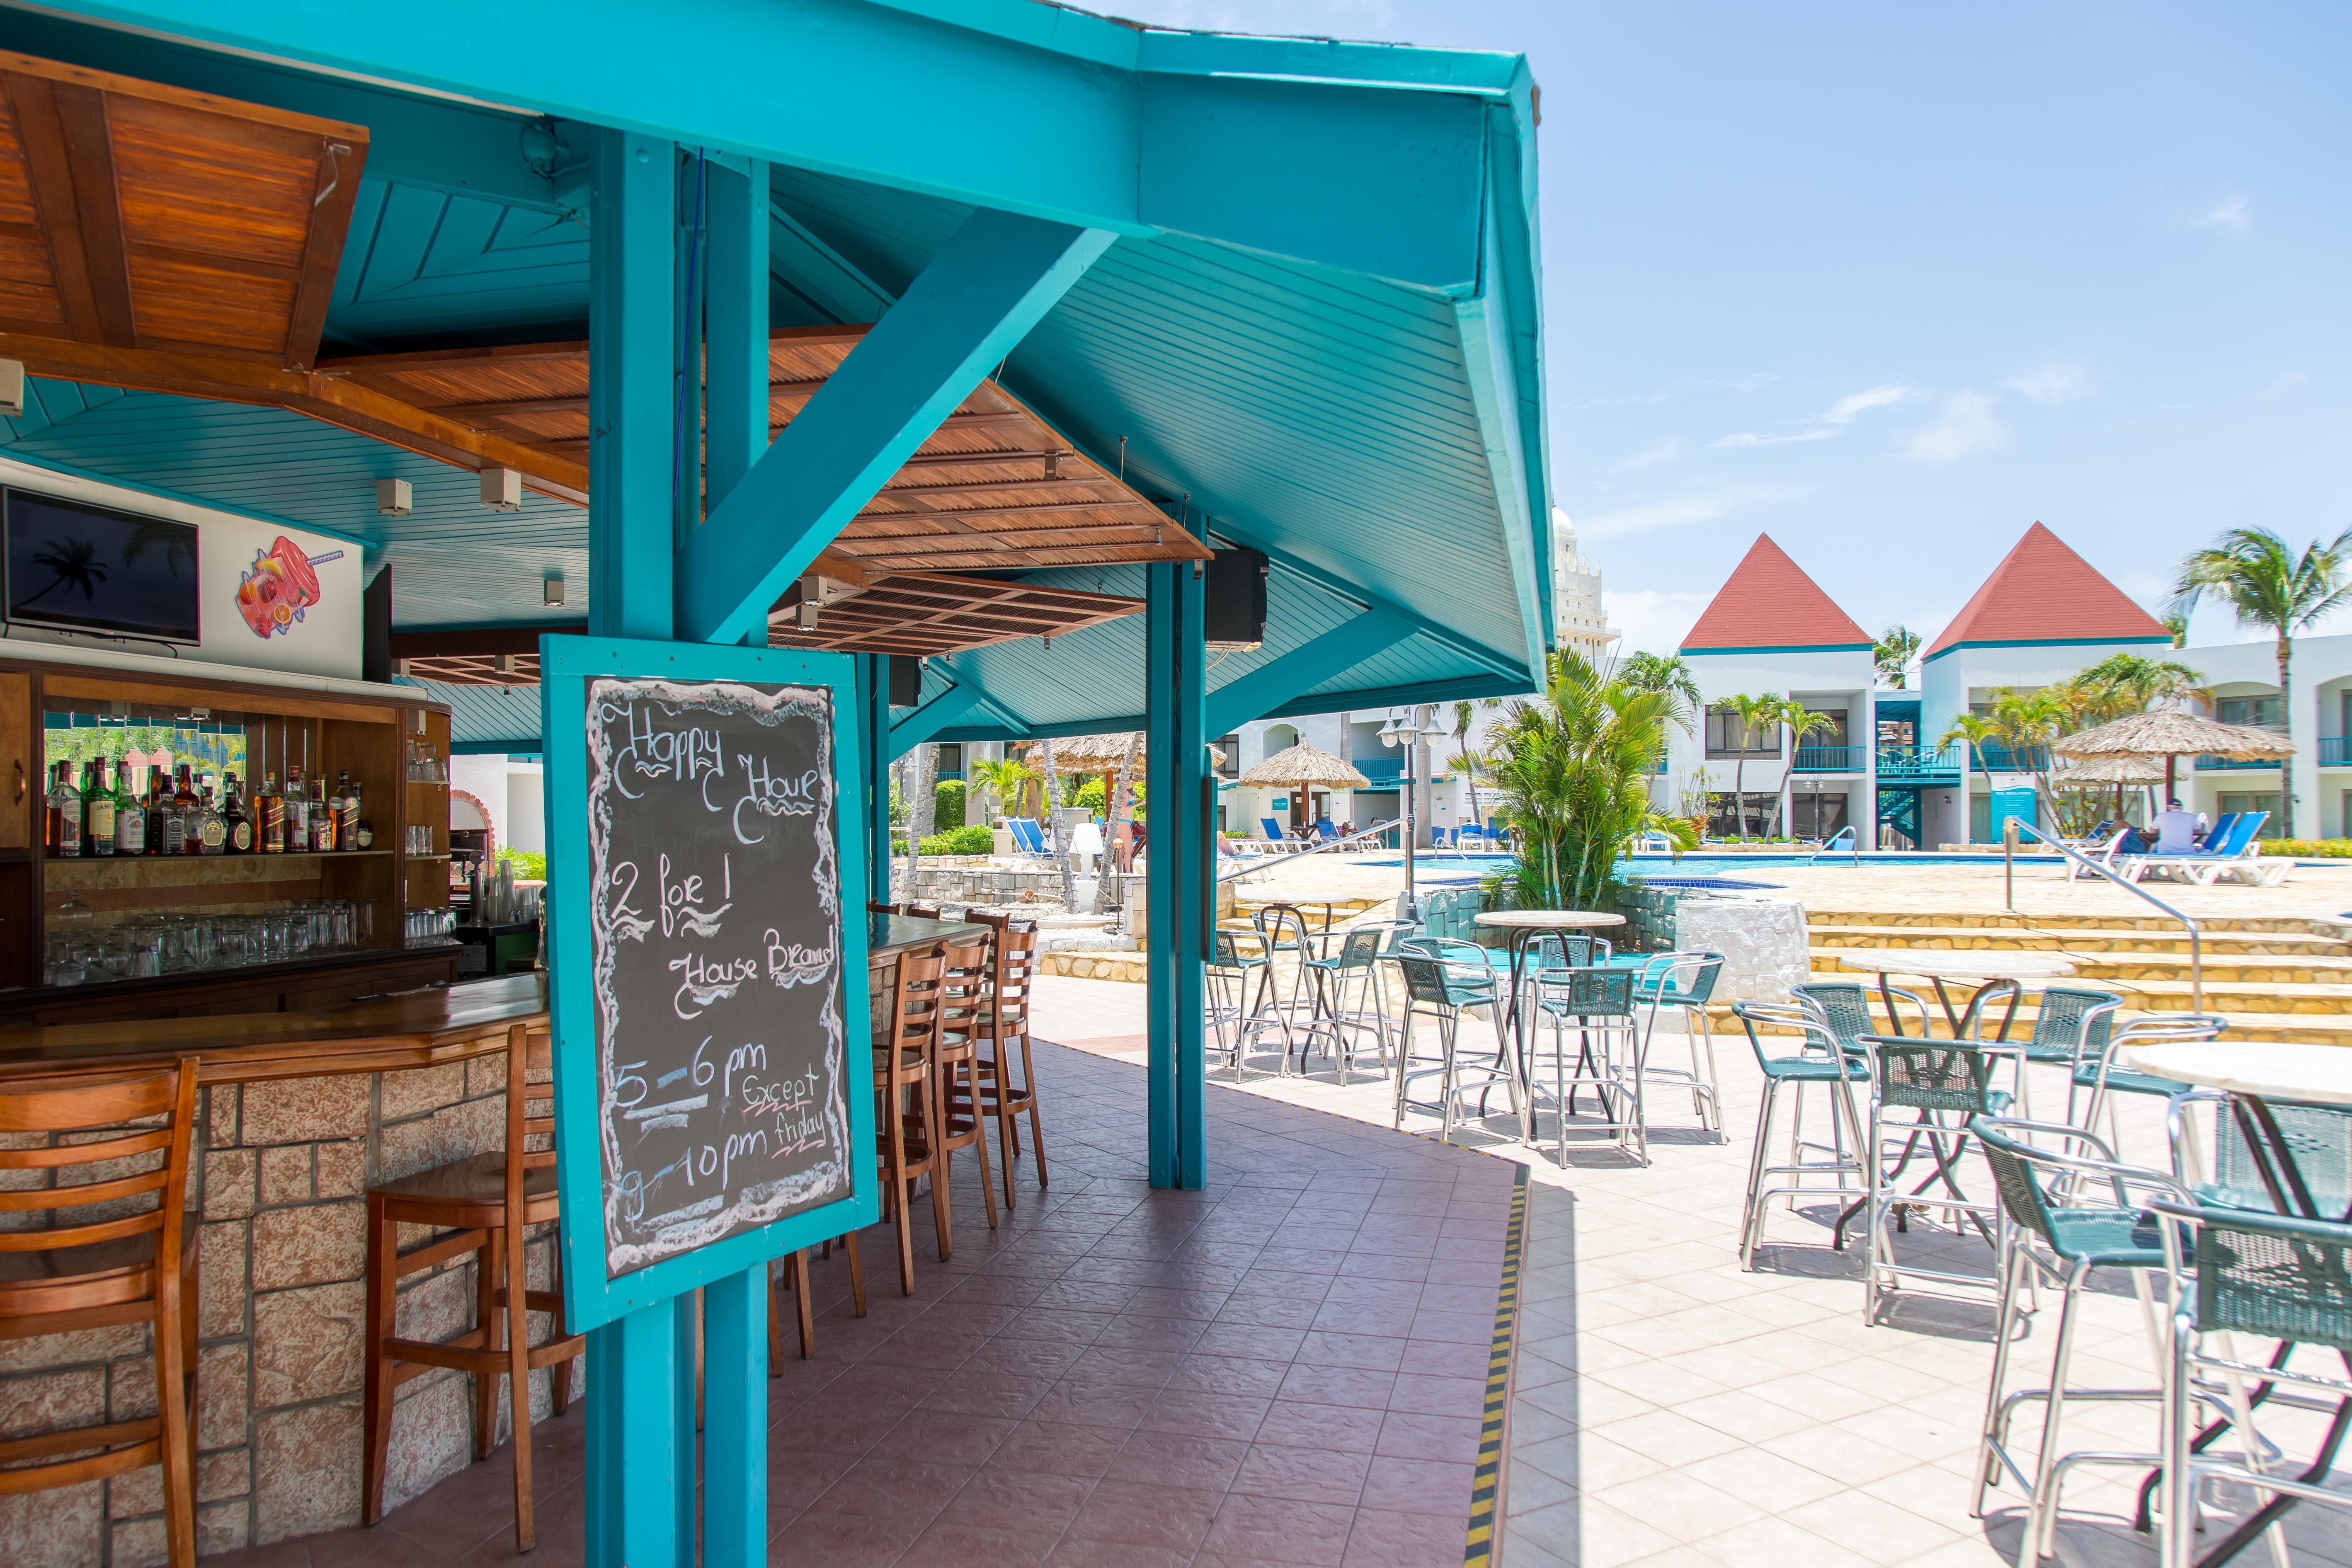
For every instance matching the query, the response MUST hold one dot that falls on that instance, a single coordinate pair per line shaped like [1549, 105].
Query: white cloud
[2055, 381]
[1967, 426]
[2230, 214]
[1651, 621]
[1665, 451]
[1651, 515]
[1845, 410]
[1842, 412]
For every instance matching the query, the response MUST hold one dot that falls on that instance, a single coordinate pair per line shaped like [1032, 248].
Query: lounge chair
[1277, 841]
[2103, 855]
[2199, 867]
[1028, 836]
[2249, 866]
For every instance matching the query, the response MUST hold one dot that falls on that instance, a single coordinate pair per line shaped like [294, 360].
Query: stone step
[2151, 921]
[2075, 938]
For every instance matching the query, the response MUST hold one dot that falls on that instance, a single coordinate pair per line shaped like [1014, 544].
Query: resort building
[1881, 762]
[1771, 630]
[1578, 617]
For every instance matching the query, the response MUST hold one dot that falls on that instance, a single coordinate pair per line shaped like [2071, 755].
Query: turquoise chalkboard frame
[591, 1299]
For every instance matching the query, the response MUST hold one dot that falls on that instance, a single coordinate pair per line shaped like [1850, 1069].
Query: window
[1758, 819]
[1817, 816]
[2263, 710]
[1832, 734]
[2252, 801]
[950, 757]
[1727, 737]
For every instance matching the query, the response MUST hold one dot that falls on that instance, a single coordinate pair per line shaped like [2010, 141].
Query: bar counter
[299, 1111]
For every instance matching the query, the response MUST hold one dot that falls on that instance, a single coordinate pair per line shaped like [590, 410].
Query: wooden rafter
[930, 615]
[135, 215]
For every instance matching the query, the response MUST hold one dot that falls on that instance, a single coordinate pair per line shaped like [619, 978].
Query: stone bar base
[281, 1323]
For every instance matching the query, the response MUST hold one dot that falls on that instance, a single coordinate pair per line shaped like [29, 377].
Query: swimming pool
[1696, 865]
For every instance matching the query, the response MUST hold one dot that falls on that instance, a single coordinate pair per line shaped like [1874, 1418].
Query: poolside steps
[2276, 977]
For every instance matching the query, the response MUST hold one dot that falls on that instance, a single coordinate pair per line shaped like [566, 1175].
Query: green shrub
[971, 840]
[947, 805]
[529, 867]
[2308, 848]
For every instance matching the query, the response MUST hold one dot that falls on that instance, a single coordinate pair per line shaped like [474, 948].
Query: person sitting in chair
[2176, 830]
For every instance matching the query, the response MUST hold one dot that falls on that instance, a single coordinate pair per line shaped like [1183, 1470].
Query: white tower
[1578, 618]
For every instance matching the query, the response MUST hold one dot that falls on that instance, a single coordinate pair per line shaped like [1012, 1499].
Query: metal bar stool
[1599, 1004]
[129, 1268]
[1444, 984]
[1349, 999]
[1684, 981]
[1821, 1061]
[1943, 1084]
[489, 1200]
[1227, 978]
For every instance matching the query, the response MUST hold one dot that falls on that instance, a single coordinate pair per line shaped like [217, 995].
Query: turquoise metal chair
[1227, 978]
[2097, 1075]
[2061, 1242]
[1844, 1009]
[1935, 1087]
[1684, 981]
[1444, 983]
[1599, 1004]
[1820, 1060]
[1349, 1000]
[2071, 1023]
[2274, 1277]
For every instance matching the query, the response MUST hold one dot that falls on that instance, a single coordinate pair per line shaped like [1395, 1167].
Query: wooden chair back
[62, 1282]
[915, 1009]
[965, 974]
[528, 1051]
[1016, 968]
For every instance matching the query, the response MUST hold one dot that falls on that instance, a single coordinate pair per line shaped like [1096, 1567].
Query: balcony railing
[1380, 770]
[1918, 761]
[2213, 764]
[1832, 759]
[2335, 751]
[1995, 758]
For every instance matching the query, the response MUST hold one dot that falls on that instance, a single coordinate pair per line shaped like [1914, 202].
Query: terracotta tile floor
[1285, 1368]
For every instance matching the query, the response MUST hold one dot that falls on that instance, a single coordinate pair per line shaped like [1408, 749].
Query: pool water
[1655, 867]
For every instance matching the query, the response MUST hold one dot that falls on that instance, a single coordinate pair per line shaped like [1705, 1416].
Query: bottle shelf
[182, 870]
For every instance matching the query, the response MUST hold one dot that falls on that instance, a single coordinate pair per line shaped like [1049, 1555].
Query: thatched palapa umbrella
[2118, 771]
[2169, 732]
[1304, 767]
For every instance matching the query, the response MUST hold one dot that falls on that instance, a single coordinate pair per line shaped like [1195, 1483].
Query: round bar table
[1525, 926]
[1999, 974]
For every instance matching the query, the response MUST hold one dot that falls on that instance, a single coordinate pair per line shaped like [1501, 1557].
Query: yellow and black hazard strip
[1487, 1487]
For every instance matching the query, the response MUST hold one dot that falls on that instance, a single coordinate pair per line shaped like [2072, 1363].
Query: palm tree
[1800, 721]
[2179, 626]
[1977, 730]
[1892, 654]
[2258, 574]
[1573, 763]
[2123, 684]
[999, 782]
[1668, 676]
[2025, 722]
[75, 560]
[1467, 761]
[1755, 712]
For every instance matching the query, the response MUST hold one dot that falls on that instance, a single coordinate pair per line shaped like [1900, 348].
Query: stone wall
[282, 1167]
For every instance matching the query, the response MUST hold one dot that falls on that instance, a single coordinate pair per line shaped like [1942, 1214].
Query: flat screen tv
[82, 568]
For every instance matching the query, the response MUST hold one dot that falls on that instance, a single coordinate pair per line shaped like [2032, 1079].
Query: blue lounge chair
[1027, 836]
[2204, 866]
[1277, 837]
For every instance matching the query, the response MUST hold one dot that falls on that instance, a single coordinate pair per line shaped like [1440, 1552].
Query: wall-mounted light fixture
[393, 497]
[502, 490]
[551, 591]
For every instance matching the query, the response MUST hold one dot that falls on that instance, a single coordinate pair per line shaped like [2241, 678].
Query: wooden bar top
[888, 936]
[386, 1034]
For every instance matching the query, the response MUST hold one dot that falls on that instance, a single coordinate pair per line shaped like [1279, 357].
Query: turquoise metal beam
[736, 322]
[873, 750]
[833, 285]
[1303, 669]
[1497, 360]
[632, 369]
[1356, 594]
[977, 299]
[956, 705]
[1180, 889]
[1086, 125]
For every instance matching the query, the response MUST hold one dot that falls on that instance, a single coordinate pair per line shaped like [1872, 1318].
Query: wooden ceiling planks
[911, 613]
[994, 488]
[139, 216]
[923, 614]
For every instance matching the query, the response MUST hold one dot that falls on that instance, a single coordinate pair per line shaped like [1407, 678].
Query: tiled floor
[1285, 1368]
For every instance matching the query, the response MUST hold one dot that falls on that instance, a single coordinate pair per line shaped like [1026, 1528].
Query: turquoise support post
[735, 1419]
[736, 216]
[1180, 889]
[636, 1482]
[963, 313]
[874, 749]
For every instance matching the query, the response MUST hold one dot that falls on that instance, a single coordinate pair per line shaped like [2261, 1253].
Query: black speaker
[906, 681]
[1233, 609]
[376, 628]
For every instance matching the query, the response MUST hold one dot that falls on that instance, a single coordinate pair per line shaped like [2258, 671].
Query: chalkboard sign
[715, 923]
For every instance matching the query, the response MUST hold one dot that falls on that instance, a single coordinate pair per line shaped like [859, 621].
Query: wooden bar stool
[906, 1119]
[1004, 1022]
[796, 1278]
[135, 1269]
[489, 1200]
[964, 998]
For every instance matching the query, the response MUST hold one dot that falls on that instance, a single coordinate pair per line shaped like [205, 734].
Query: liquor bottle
[211, 832]
[269, 817]
[239, 825]
[172, 799]
[323, 821]
[129, 816]
[98, 810]
[63, 813]
[154, 811]
[347, 812]
[298, 813]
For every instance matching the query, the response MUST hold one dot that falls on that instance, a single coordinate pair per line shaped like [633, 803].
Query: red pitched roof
[2043, 591]
[1768, 602]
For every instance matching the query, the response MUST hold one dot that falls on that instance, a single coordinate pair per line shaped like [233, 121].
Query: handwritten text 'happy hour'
[692, 754]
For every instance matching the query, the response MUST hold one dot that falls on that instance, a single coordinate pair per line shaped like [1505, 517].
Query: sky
[1894, 283]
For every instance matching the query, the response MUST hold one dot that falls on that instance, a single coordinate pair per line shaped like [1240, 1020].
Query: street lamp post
[1404, 731]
